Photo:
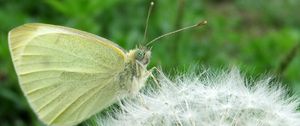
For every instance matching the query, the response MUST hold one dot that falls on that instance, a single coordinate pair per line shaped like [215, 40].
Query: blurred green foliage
[253, 35]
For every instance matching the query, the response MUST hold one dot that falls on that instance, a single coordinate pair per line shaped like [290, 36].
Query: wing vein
[32, 91]
[62, 70]
[71, 54]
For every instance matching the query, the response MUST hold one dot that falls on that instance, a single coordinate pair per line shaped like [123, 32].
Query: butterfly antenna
[179, 30]
[148, 16]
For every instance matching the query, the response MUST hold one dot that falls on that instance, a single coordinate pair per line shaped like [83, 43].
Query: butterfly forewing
[66, 75]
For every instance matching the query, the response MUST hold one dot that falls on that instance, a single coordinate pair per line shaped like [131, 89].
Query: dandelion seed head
[225, 99]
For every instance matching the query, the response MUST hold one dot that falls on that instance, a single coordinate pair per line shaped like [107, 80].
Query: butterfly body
[68, 75]
[136, 67]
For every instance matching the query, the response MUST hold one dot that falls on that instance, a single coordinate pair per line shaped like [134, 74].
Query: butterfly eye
[139, 55]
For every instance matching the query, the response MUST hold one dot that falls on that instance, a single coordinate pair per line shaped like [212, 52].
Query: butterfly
[68, 75]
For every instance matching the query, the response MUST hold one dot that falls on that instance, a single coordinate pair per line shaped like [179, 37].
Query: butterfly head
[141, 55]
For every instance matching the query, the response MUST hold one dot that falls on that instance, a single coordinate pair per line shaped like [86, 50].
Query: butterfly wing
[67, 75]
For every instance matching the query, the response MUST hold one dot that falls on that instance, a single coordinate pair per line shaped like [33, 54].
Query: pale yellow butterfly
[69, 75]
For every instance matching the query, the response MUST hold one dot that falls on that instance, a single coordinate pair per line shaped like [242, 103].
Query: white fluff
[226, 99]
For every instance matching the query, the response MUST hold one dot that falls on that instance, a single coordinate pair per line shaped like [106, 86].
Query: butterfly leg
[162, 75]
[150, 72]
[147, 72]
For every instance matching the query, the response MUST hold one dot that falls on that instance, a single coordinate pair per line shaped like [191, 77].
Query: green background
[254, 35]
